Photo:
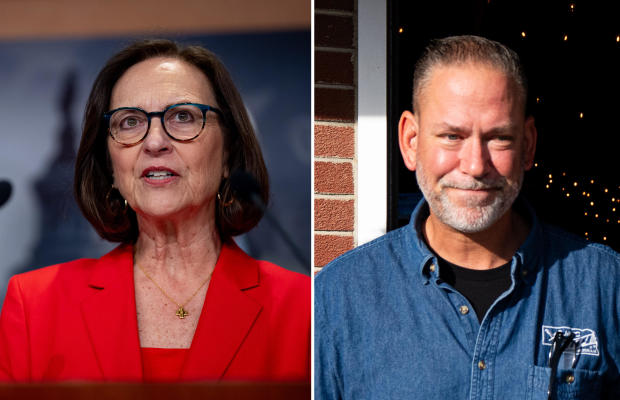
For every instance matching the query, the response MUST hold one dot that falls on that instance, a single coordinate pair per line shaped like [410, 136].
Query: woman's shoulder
[43, 277]
[61, 276]
[271, 280]
[277, 273]
[267, 271]
[286, 292]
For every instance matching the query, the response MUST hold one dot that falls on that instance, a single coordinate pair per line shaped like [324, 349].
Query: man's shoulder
[579, 257]
[354, 286]
[572, 245]
[375, 256]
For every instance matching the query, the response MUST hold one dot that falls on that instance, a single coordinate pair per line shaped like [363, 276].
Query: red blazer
[77, 321]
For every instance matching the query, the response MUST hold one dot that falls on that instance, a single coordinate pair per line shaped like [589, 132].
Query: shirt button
[482, 365]
[432, 268]
[464, 309]
[570, 378]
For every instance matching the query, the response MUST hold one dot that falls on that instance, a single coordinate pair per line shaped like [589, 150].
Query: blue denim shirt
[386, 326]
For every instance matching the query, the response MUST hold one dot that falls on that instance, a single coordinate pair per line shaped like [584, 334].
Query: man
[475, 298]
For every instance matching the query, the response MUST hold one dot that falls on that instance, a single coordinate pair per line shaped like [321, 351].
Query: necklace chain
[181, 312]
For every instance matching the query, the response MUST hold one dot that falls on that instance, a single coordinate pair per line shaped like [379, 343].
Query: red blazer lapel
[227, 316]
[110, 316]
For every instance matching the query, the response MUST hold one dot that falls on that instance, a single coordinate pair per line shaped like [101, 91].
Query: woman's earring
[110, 201]
[225, 204]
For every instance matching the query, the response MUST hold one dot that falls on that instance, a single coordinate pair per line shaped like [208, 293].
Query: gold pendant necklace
[181, 312]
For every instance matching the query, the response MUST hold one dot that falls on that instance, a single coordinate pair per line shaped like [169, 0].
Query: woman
[164, 128]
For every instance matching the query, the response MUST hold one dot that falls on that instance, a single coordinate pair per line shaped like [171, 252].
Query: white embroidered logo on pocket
[585, 339]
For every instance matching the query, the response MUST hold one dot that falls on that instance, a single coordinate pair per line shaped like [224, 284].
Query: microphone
[5, 191]
[245, 187]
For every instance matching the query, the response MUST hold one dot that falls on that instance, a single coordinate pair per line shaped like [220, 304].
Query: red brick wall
[335, 129]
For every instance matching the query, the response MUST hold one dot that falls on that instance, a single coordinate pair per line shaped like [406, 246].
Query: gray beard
[474, 216]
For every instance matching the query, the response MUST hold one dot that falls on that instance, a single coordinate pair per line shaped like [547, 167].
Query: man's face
[471, 145]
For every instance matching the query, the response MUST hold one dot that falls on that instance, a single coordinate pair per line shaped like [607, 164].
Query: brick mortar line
[334, 49]
[334, 13]
[339, 124]
[327, 196]
[332, 194]
[335, 233]
[333, 86]
[333, 160]
[326, 120]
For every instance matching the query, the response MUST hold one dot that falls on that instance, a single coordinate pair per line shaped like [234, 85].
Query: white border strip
[372, 120]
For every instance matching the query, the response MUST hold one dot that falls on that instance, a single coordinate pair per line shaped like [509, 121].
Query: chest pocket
[579, 384]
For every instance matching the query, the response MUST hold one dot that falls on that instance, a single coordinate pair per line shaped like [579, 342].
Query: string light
[400, 30]
[599, 215]
[618, 39]
[571, 7]
[522, 34]
[565, 38]
[580, 115]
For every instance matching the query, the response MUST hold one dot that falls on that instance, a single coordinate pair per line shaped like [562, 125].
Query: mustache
[474, 184]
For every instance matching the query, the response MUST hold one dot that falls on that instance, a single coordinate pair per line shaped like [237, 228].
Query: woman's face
[161, 177]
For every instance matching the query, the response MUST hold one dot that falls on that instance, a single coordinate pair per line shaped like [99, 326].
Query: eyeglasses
[182, 122]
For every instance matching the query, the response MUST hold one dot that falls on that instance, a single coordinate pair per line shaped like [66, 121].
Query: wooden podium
[156, 391]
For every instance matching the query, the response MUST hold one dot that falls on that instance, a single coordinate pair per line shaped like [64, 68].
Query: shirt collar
[529, 252]
[524, 261]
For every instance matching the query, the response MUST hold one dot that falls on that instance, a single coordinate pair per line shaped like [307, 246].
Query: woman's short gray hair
[455, 50]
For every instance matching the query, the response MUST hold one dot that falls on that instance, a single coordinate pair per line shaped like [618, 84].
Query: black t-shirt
[480, 287]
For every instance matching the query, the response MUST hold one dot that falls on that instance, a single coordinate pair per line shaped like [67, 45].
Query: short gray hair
[456, 50]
